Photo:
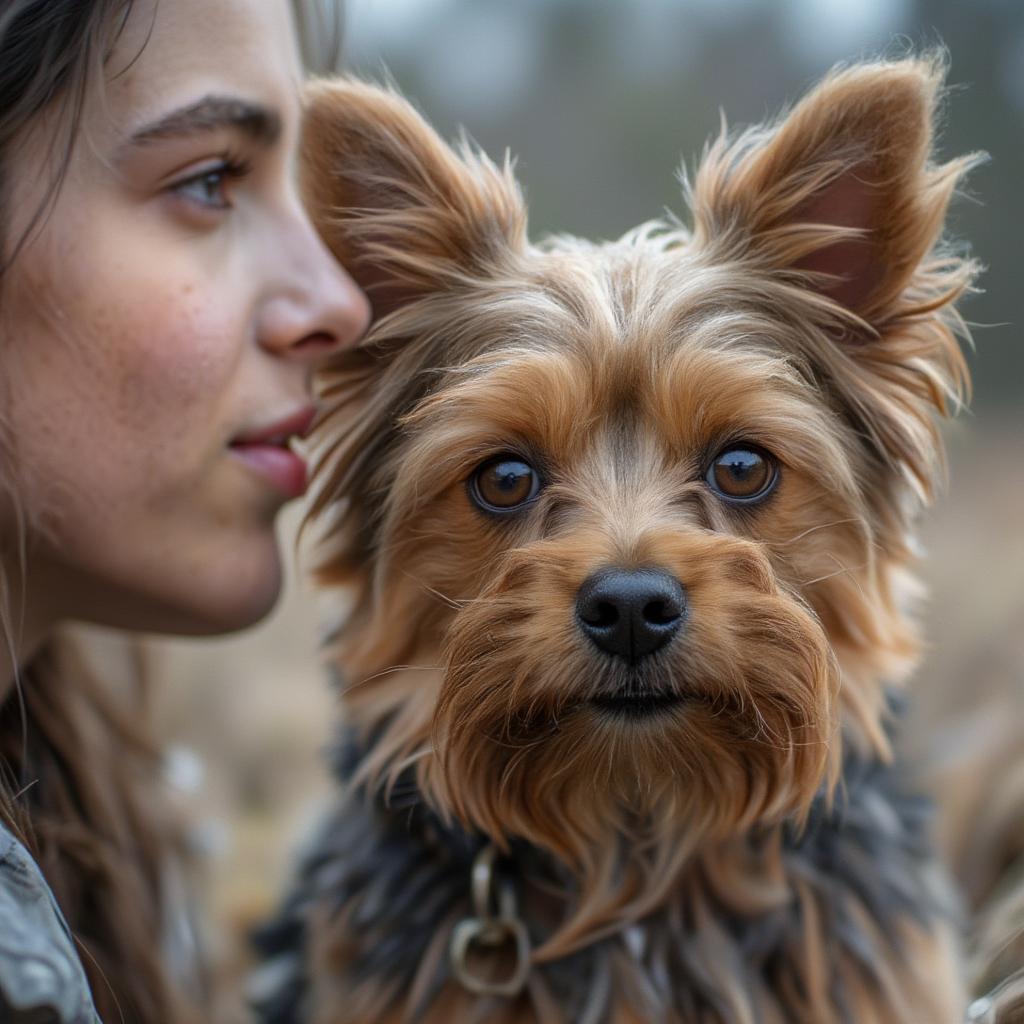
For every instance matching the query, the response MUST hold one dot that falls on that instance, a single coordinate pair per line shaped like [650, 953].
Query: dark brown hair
[50, 51]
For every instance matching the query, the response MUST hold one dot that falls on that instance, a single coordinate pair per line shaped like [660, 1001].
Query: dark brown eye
[742, 473]
[504, 484]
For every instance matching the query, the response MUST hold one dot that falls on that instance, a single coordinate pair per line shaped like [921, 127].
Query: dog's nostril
[631, 613]
[602, 614]
[660, 613]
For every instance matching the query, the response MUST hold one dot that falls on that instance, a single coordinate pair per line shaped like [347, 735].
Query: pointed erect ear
[841, 189]
[403, 212]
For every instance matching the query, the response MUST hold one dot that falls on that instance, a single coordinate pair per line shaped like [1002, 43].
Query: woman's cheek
[178, 364]
[133, 406]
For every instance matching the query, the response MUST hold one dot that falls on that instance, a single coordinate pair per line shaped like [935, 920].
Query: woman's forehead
[173, 53]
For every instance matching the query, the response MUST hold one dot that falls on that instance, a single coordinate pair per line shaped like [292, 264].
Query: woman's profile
[163, 301]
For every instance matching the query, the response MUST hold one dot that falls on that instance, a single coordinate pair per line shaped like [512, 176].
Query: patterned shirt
[41, 977]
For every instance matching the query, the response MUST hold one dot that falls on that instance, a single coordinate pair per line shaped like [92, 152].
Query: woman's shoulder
[41, 977]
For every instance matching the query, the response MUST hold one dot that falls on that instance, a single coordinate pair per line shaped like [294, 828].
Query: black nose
[631, 613]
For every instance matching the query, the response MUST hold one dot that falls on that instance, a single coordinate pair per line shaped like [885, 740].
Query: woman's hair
[319, 24]
[83, 790]
[51, 52]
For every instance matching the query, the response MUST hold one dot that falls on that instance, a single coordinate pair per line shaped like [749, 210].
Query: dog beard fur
[809, 310]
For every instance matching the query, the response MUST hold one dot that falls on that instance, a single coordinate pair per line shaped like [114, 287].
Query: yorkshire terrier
[627, 526]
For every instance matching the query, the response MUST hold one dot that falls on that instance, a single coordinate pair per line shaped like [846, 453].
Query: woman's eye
[504, 484]
[742, 473]
[207, 189]
[210, 188]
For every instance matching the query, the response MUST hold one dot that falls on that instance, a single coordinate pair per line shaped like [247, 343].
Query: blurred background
[600, 100]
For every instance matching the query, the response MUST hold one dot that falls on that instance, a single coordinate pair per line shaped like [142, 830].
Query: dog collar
[494, 926]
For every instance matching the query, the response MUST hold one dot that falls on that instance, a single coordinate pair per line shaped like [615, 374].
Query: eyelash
[229, 169]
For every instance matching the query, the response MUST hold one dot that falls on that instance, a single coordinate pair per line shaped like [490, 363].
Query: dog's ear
[842, 189]
[405, 213]
[838, 209]
[411, 219]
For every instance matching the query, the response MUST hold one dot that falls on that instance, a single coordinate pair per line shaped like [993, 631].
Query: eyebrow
[211, 114]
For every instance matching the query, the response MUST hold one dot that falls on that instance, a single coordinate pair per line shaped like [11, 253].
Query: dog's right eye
[504, 484]
[742, 474]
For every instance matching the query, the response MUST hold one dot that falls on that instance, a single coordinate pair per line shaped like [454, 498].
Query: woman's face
[159, 332]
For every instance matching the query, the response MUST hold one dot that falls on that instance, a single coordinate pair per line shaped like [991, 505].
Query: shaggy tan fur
[809, 311]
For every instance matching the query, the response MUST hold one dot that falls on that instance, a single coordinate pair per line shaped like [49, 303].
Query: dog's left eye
[504, 484]
[742, 473]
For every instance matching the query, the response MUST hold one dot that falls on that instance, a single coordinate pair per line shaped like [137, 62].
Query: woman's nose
[314, 308]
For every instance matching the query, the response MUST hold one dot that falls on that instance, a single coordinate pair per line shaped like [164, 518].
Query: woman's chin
[211, 598]
[194, 580]
[237, 598]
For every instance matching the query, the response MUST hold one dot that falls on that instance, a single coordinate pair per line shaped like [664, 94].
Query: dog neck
[400, 878]
[744, 877]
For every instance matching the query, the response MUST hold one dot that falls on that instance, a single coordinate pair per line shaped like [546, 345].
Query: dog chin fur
[809, 311]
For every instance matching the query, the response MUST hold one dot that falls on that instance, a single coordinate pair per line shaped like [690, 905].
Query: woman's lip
[296, 424]
[285, 470]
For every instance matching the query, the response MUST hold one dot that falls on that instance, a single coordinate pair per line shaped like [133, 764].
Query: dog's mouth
[636, 703]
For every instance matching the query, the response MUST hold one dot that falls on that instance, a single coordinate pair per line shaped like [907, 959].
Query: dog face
[614, 518]
[627, 521]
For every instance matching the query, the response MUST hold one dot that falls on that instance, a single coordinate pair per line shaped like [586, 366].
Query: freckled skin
[142, 331]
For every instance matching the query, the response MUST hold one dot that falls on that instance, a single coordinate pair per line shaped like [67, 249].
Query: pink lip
[265, 449]
[294, 425]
